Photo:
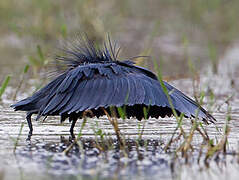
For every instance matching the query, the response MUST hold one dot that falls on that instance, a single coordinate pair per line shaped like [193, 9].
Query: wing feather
[56, 101]
[109, 90]
[40, 97]
[149, 97]
[116, 85]
[190, 105]
[123, 92]
[140, 95]
[74, 98]
[88, 72]
[119, 95]
[139, 92]
[67, 82]
[94, 91]
[116, 69]
[131, 90]
[160, 97]
[100, 93]
[86, 96]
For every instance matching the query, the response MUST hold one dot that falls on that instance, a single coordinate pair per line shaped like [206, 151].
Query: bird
[91, 80]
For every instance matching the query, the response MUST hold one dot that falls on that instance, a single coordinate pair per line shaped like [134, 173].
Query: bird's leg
[29, 122]
[72, 127]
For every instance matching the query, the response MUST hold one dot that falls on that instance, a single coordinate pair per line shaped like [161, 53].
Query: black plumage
[95, 79]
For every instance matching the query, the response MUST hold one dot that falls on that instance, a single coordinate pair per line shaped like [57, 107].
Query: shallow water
[43, 157]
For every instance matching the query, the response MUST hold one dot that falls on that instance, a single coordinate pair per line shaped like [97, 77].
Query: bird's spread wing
[94, 78]
[104, 85]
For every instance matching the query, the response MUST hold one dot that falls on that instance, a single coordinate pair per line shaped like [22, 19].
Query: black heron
[96, 80]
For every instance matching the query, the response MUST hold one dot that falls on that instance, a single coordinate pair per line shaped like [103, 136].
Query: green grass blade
[122, 112]
[26, 68]
[40, 53]
[4, 85]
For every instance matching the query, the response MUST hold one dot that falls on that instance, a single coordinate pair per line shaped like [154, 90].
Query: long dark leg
[29, 122]
[72, 127]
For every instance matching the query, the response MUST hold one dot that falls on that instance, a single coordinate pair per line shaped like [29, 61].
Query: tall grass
[38, 61]
[25, 70]
[4, 85]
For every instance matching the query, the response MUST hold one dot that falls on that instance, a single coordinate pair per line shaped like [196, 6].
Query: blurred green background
[173, 32]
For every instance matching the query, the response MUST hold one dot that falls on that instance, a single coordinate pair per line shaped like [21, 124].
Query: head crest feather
[85, 51]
